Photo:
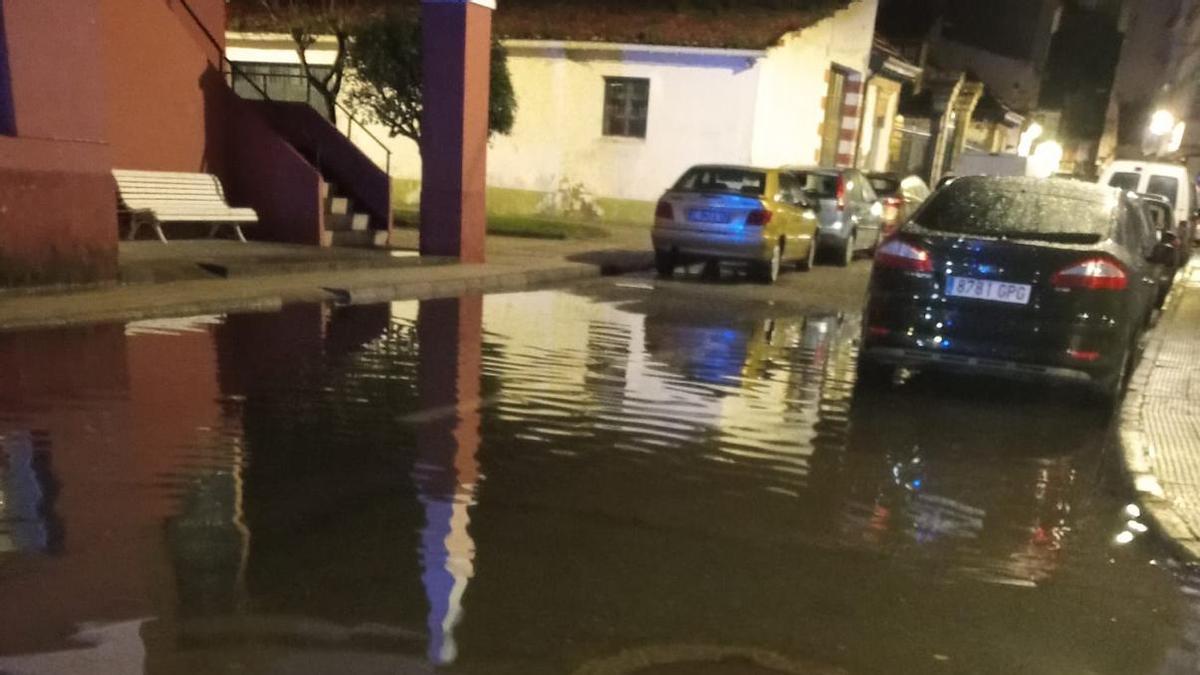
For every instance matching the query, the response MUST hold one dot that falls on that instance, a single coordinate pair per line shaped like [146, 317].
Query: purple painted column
[454, 127]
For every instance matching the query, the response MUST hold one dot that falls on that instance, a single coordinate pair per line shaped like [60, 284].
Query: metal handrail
[235, 71]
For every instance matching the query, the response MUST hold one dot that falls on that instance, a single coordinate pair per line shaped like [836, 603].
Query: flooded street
[626, 476]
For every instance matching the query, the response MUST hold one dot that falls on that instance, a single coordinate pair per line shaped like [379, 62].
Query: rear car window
[723, 179]
[818, 184]
[1020, 209]
[1125, 181]
[1164, 186]
[885, 186]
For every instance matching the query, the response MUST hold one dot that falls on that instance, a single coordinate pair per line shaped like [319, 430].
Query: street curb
[1160, 514]
[408, 289]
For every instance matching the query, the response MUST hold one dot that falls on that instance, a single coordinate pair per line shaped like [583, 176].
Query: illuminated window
[626, 106]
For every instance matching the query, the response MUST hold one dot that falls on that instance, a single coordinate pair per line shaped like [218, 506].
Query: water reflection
[537, 482]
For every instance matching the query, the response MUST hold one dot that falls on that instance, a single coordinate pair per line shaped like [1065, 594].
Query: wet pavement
[625, 476]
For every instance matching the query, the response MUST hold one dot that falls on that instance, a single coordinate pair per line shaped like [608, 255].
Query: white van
[1158, 178]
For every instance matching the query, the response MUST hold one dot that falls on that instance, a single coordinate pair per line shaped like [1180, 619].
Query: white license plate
[983, 289]
[708, 216]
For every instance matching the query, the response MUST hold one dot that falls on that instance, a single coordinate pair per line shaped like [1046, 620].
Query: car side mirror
[1168, 238]
[1163, 254]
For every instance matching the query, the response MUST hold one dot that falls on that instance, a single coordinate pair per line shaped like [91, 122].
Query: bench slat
[169, 196]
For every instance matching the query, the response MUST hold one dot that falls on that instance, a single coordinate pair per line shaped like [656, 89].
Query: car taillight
[759, 218]
[901, 255]
[1096, 274]
[891, 209]
[664, 211]
[841, 192]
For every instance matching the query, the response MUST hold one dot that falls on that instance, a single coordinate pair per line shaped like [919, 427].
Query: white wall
[790, 113]
[701, 110]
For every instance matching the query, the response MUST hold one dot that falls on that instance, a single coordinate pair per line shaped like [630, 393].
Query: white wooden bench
[158, 197]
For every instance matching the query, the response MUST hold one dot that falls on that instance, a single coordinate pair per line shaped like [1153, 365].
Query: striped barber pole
[851, 109]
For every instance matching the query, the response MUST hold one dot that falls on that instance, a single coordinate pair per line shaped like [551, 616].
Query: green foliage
[386, 56]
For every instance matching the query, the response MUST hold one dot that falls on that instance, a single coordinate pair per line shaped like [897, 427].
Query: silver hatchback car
[849, 212]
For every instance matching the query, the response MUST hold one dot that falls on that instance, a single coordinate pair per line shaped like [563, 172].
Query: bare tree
[306, 21]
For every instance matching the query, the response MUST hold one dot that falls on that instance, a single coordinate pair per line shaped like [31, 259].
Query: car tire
[872, 374]
[664, 264]
[768, 272]
[845, 255]
[1108, 391]
[811, 259]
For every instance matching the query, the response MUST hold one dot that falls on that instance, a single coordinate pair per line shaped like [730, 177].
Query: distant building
[604, 126]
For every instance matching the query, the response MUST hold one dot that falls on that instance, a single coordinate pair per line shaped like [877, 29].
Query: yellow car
[742, 214]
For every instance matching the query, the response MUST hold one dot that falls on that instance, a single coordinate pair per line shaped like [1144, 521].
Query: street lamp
[1028, 137]
[1162, 122]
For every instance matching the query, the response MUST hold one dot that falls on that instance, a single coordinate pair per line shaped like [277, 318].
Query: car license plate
[708, 216]
[983, 289]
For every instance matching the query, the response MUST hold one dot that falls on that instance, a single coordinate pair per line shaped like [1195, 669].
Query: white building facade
[613, 125]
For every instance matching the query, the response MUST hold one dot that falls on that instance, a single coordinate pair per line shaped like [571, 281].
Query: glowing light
[1028, 137]
[1177, 137]
[1046, 159]
[1135, 526]
[1162, 122]
[1133, 511]
[1124, 538]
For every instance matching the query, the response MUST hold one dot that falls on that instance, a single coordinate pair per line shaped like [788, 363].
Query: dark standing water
[629, 481]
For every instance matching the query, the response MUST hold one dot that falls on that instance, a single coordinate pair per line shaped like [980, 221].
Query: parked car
[1160, 219]
[1161, 214]
[1019, 277]
[1171, 181]
[755, 216]
[850, 213]
[900, 195]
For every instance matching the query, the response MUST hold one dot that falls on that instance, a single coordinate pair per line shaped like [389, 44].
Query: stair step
[364, 238]
[339, 222]
[360, 222]
[338, 205]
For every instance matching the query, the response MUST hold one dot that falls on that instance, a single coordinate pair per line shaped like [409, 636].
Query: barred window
[626, 106]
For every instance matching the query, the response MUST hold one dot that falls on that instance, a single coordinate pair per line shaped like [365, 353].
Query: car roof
[1054, 187]
[736, 167]
[1141, 166]
[814, 169]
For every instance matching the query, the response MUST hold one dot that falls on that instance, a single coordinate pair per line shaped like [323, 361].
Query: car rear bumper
[960, 363]
[748, 245]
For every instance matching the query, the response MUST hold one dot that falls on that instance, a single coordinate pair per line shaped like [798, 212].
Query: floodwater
[606, 480]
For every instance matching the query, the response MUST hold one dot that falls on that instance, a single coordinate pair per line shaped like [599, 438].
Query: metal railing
[235, 72]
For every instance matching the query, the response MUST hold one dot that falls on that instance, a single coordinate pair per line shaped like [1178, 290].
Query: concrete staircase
[343, 225]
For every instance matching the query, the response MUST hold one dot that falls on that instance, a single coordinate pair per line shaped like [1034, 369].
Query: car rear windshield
[1019, 209]
[1126, 181]
[818, 184]
[1164, 186]
[723, 179]
[885, 186]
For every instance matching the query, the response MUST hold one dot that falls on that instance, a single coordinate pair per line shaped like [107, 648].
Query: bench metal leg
[212, 231]
[135, 224]
[158, 230]
[238, 229]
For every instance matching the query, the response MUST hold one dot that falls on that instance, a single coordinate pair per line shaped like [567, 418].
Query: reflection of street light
[1028, 137]
[1162, 122]
[1177, 137]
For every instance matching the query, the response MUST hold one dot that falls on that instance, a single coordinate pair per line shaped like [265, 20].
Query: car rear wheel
[871, 373]
[846, 254]
[768, 272]
[664, 263]
[1108, 391]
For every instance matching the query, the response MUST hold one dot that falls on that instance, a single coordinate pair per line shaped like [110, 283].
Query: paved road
[624, 476]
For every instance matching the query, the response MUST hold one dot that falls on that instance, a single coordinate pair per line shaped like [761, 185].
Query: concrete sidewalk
[1160, 420]
[221, 277]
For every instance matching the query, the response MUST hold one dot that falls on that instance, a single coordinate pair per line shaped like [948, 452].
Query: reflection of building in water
[446, 470]
[28, 523]
[650, 377]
